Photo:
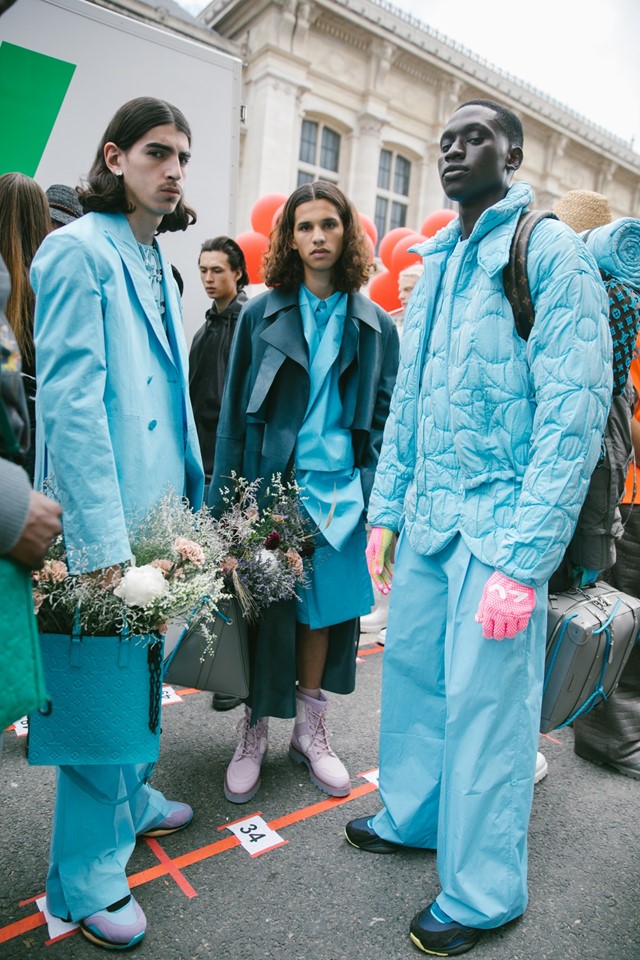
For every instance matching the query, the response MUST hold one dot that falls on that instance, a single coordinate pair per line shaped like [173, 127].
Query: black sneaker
[361, 834]
[448, 939]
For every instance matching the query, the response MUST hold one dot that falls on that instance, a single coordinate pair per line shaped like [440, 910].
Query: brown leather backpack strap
[515, 278]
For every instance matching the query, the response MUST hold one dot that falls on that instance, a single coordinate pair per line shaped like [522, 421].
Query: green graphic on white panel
[32, 89]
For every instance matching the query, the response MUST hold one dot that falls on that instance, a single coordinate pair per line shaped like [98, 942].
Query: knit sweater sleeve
[15, 492]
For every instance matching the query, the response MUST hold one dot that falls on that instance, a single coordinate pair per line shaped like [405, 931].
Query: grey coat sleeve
[15, 491]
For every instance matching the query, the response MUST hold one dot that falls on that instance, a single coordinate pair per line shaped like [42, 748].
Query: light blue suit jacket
[116, 429]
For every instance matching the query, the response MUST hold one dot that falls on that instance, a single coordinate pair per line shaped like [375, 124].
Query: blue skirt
[338, 584]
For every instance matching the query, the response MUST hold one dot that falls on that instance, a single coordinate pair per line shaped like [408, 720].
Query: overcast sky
[586, 55]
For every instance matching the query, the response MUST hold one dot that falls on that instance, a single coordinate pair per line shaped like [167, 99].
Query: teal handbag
[106, 695]
[23, 684]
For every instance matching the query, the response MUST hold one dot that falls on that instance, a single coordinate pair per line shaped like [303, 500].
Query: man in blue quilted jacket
[486, 460]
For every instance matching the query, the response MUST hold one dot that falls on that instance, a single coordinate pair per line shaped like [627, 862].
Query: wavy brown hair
[104, 192]
[282, 266]
[25, 221]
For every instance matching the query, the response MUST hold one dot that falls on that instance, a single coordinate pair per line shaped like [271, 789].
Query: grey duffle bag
[590, 634]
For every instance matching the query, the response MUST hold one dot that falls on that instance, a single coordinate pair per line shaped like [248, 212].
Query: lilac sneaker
[179, 816]
[118, 927]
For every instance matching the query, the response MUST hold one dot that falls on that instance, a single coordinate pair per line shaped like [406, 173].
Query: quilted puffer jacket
[503, 441]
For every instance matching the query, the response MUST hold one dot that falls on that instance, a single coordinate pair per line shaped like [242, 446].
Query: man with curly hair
[308, 387]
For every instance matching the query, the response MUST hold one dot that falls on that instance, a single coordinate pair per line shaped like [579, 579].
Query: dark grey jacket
[599, 527]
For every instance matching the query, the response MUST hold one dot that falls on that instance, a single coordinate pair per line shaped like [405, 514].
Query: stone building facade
[356, 91]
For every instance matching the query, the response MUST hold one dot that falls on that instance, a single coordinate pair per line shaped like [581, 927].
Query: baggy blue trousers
[92, 841]
[459, 733]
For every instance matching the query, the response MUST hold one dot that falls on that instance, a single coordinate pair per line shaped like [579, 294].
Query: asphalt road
[314, 897]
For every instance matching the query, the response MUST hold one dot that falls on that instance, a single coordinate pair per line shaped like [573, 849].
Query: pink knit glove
[505, 607]
[378, 554]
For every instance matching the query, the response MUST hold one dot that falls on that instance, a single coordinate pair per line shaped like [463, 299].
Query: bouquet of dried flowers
[267, 534]
[176, 563]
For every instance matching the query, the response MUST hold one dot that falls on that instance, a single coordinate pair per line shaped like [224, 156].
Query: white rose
[267, 559]
[141, 585]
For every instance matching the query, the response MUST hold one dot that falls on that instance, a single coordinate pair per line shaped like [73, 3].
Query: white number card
[57, 928]
[371, 776]
[169, 695]
[255, 835]
[21, 727]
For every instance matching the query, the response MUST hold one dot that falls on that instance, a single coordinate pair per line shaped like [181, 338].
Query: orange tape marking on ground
[553, 739]
[173, 871]
[172, 866]
[378, 648]
[227, 843]
[20, 927]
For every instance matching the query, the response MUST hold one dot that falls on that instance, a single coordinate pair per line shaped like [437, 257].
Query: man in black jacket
[224, 275]
[223, 272]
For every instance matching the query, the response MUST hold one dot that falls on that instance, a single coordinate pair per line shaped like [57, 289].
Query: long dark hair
[282, 266]
[234, 255]
[104, 192]
[24, 223]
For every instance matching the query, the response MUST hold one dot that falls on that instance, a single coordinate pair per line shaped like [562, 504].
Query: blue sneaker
[118, 927]
[179, 817]
[436, 933]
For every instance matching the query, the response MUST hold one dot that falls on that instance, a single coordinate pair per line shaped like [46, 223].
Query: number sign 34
[255, 835]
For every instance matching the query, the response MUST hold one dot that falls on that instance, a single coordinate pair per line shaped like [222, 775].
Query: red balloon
[389, 241]
[253, 245]
[369, 227]
[383, 289]
[263, 210]
[400, 256]
[436, 221]
[276, 216]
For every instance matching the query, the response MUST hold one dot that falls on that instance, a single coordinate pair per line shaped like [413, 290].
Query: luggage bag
[590, 634]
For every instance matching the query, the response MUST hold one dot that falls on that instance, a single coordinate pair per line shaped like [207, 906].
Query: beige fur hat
[583, 209]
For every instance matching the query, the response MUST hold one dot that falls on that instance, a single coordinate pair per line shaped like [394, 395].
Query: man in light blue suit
[117, 432]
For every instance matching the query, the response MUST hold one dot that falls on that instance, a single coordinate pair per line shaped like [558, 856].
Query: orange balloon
[263, 210]
[253, 245]
[383, 289]
[369, 227]
[400, 257]
[389, 241]
[436, 221]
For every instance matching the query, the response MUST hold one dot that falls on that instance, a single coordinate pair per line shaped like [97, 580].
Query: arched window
[392, 197]
[319, 156]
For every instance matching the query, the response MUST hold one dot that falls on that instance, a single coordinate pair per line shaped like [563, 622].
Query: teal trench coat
[264, 403]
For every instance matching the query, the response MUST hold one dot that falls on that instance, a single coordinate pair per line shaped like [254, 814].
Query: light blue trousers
[459, 733]
[92, 841]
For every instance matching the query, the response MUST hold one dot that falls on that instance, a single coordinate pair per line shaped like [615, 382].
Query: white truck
[65, 68]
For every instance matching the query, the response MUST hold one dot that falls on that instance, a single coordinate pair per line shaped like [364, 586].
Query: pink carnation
[189, 550]
[165, 565]
[54, 570]
[229, 564]
[295, 561]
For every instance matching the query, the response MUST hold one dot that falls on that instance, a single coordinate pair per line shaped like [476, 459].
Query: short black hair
[234, 253]
[510, 123]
